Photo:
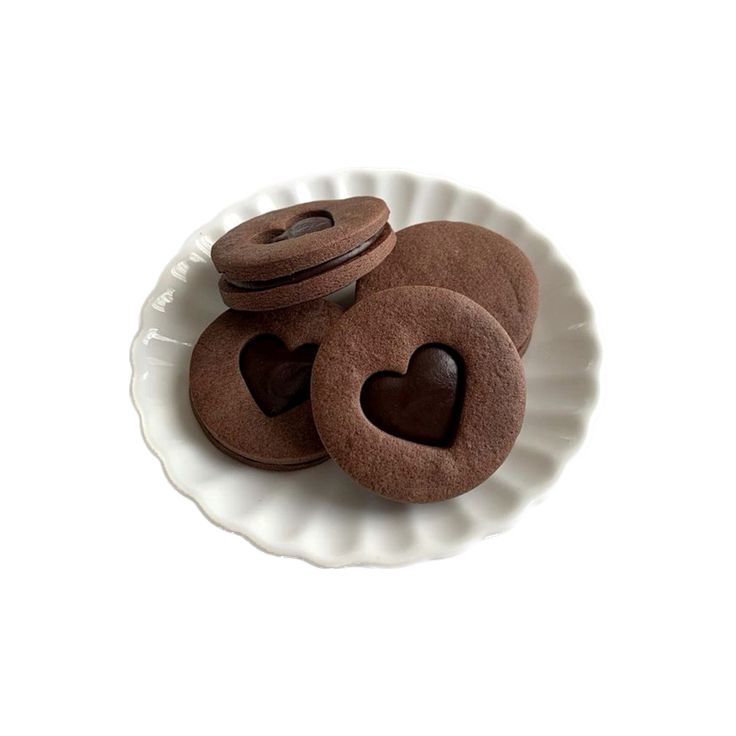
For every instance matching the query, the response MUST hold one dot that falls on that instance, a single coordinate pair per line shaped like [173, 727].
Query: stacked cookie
[417, 391]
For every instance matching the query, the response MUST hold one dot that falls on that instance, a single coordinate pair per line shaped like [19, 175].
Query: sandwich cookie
[249, 384]
[303, 252]
[418, 393]
[469, 259]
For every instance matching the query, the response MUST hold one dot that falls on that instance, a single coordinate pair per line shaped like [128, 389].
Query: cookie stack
[417, 391]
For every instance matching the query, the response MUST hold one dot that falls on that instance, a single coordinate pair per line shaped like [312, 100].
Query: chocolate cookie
[249, 384]
[303, 252]
[469, 259]
[418, 393]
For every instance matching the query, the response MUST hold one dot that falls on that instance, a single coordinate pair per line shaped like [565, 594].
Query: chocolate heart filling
[423, 405]
[277, 378]
[307, 224]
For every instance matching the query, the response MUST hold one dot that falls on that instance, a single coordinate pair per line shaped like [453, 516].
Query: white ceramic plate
[320, 514]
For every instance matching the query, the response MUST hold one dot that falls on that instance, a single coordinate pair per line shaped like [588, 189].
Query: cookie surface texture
[469, 259]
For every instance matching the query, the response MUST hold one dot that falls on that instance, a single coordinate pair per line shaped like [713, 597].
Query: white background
[609, 609]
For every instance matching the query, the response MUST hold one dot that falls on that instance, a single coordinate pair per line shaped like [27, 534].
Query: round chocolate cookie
[418, 393]
[469, 259]
[303, 252]
[249, 384]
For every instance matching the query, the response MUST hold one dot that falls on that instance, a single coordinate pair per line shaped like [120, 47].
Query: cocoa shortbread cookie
[249, 381]
[418, 393]
[303, 252]
[469, 259]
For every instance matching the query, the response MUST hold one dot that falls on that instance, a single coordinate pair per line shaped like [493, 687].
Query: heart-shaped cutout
[309, 223]
[277, 378]
[423, 405]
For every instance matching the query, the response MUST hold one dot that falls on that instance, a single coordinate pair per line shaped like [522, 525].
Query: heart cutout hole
[310, 222]
[424, 404]
[276, 377]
